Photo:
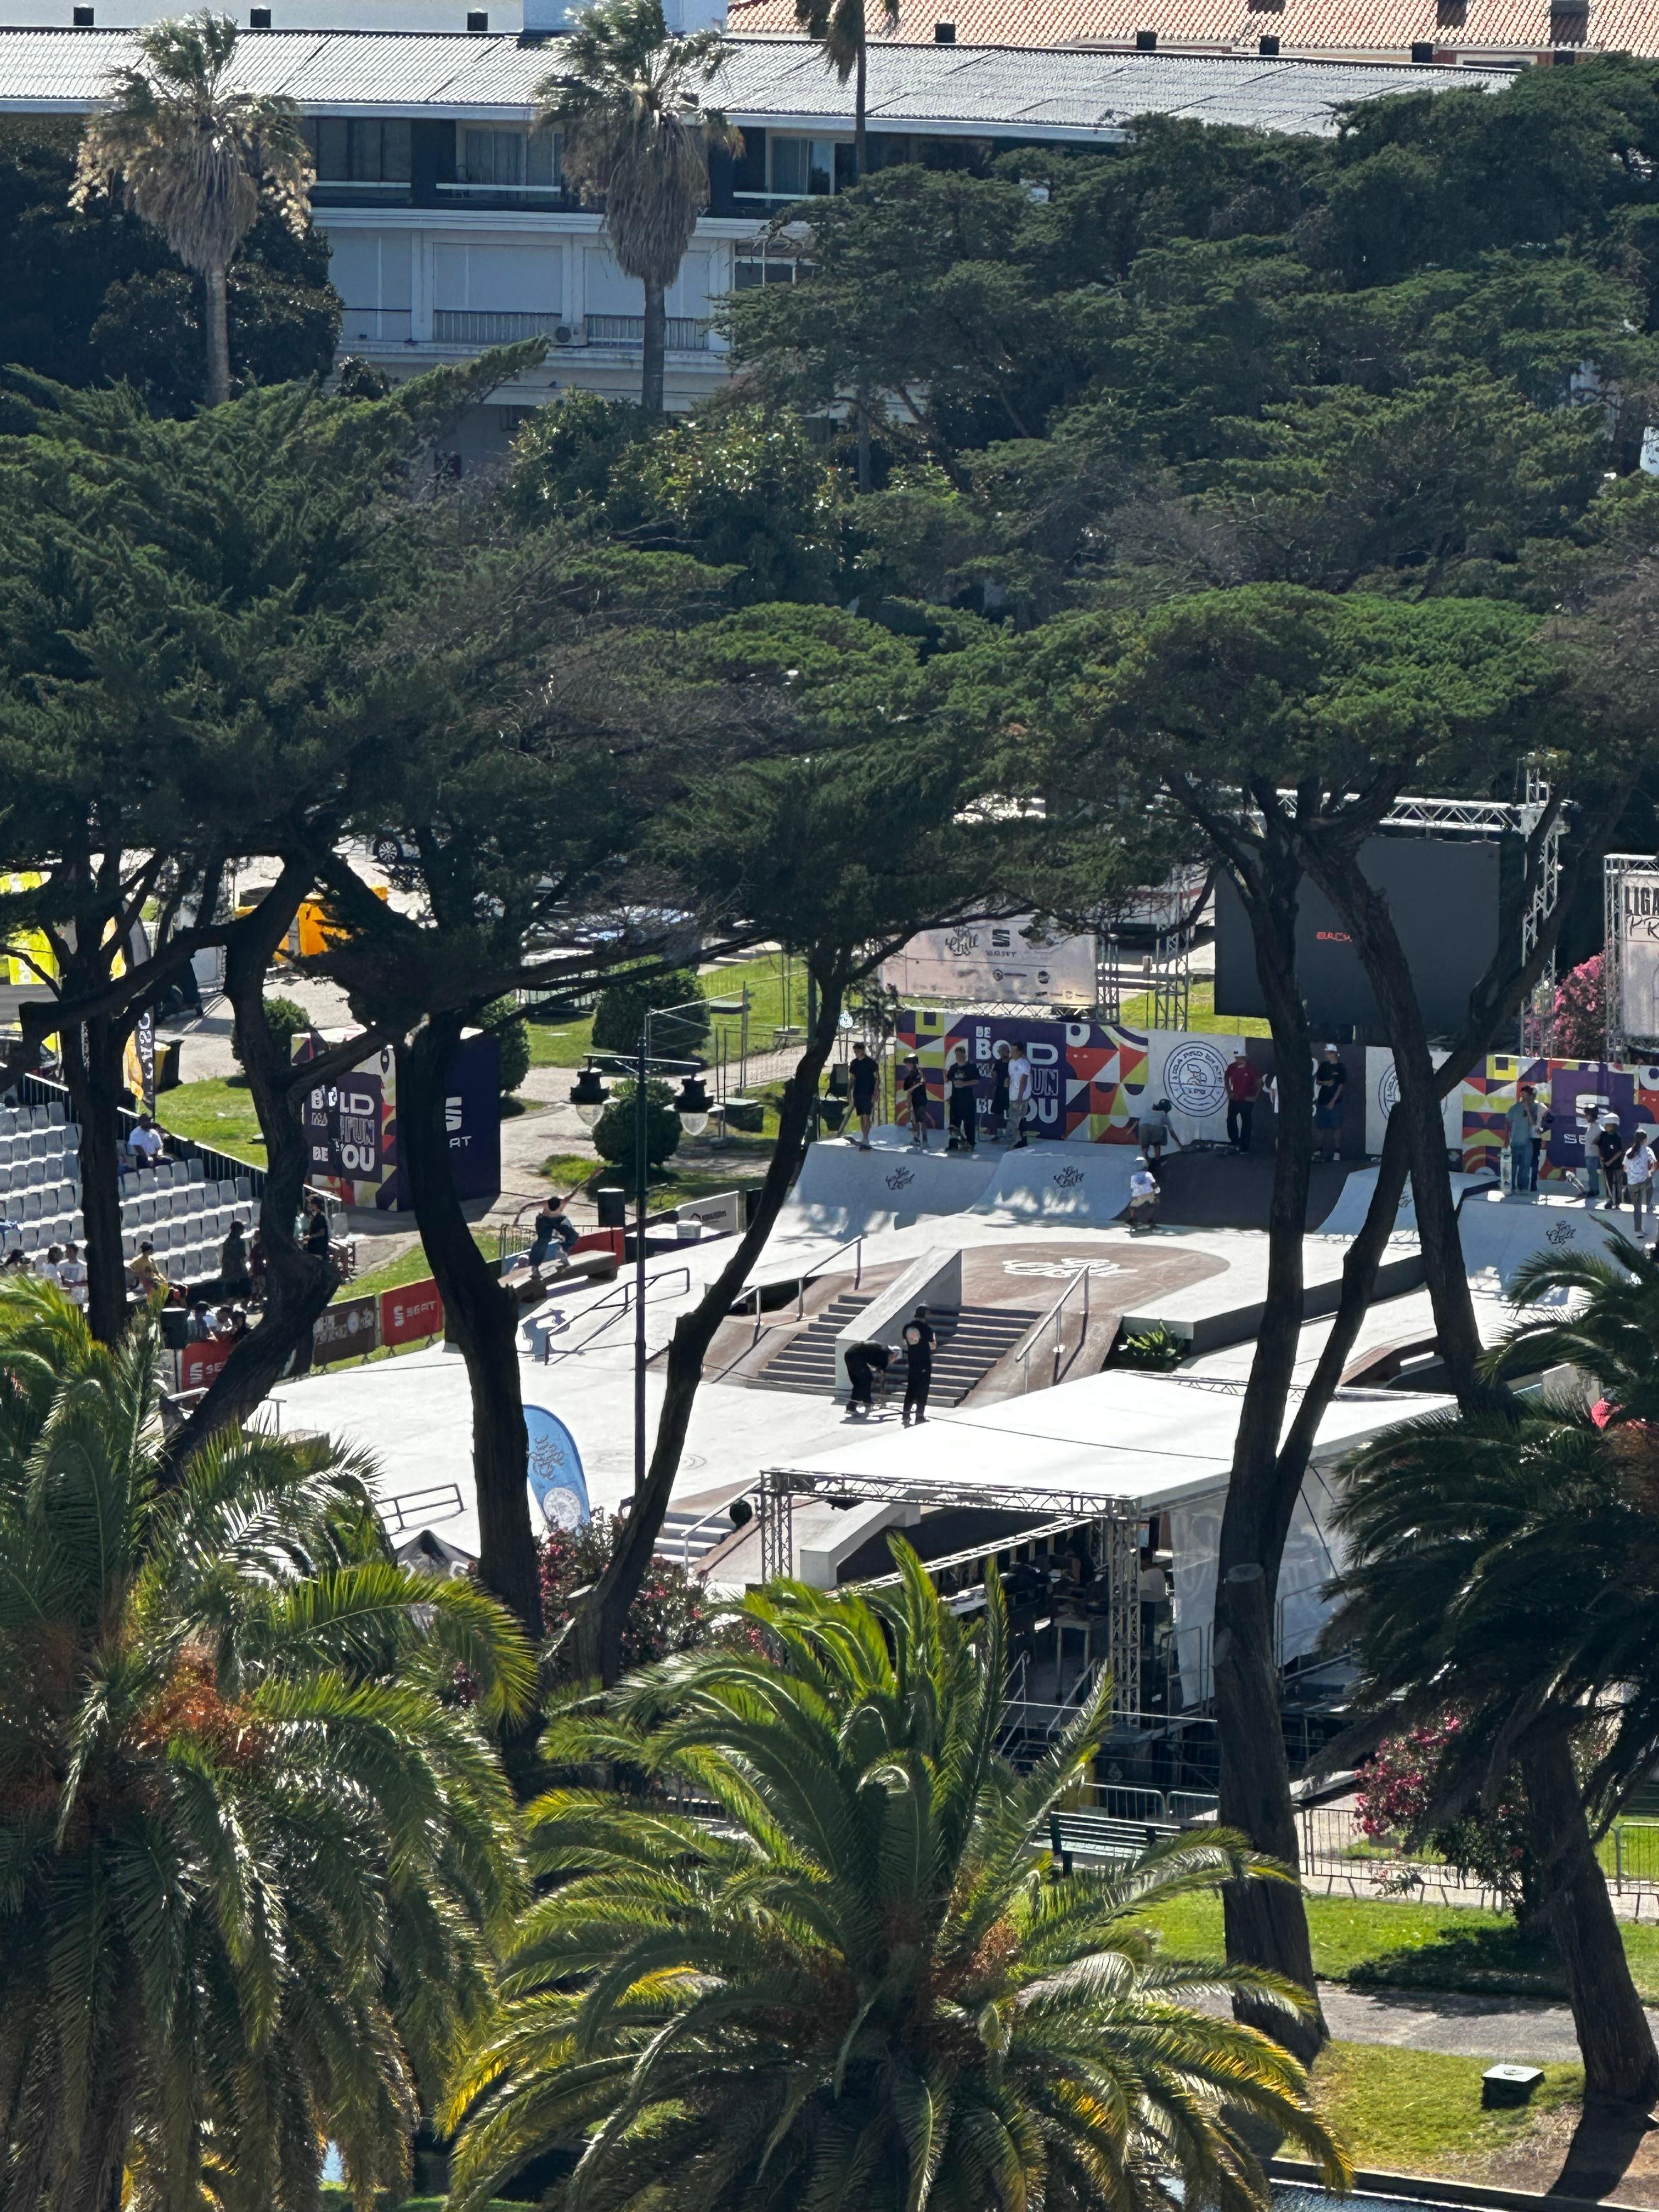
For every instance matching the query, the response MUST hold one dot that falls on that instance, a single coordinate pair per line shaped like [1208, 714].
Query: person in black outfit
[317, 1230]
[863, 1362]
[862, 1074]
[912, 1086]
[919, 1342]
[962, 1088]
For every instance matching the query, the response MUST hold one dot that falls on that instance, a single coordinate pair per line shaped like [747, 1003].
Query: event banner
[413, 1311]
[345, 1330]
[1021, 958]
[1638, 954]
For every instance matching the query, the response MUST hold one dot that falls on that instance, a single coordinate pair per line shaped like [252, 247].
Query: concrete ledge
[1203, 1314]
[935, 1279]
[1430, 2189]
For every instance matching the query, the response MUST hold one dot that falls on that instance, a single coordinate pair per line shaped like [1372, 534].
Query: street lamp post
[588, 1097]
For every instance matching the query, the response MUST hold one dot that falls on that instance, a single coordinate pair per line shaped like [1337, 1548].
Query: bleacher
[172, 1205]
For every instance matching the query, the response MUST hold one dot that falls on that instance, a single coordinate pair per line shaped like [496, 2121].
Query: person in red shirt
[1243, 1089]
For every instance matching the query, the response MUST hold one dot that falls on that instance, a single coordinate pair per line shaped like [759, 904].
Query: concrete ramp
[841, 1192]
[1347, 1217]
[1081, 1185]
[1499, 1234]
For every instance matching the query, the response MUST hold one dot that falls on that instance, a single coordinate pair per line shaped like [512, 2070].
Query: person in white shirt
[146, 1140]
[1019, 1095]
[47, 1268]
[72, 1274]
[1143, 1195]
[1640, 1164]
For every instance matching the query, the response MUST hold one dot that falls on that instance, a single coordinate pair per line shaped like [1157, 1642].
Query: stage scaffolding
[1114, 1524]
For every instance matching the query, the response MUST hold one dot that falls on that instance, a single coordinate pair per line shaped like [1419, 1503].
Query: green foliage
[95, 295]
[513, 1039]
[669, 1612]
[238, 1721]
[861, 1985]
[744, 488]
[1158, 1348]
[616, 1133]
[288, 1019]
[564, 456]
[619, 1017]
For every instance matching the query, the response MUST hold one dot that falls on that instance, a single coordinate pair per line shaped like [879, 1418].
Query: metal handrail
[625, 1290]
[1024, 1352]
[412, 1505]
[714, 1513]
[821, 1267]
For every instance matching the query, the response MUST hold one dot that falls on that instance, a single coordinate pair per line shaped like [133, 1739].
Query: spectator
[235, 1275]
[145, 1276]
[1154, 1131]
[47, 1268]
[1525, 1122]
[999, 1091]
[919, 1342]
[1610, 1151]
[864, 1362]
[863, 1072]
[255, 1268]
[1021, 1104]
[1243, 1087]
[17, 1264]
[961, 1091]
[1639, 1166]
[316, 1236]
[238, 1323]
[220, 1321]
[198, 1327]
[913, 1099]
[1592, 1131]
[1144, 1195]
[1330, 1087]
[146, 1141]
[72, 1274]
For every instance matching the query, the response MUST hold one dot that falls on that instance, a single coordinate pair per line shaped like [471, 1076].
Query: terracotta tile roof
[1478, 29]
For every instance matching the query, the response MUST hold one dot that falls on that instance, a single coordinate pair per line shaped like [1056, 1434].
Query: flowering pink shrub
[671, 1613]
[1579, 1029]
[1397, 1791]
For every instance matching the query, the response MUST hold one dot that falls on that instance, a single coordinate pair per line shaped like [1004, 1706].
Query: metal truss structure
[1115, 1522]
[1615, 867]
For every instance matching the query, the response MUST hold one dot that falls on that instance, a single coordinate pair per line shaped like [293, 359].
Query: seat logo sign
[1195, 1078]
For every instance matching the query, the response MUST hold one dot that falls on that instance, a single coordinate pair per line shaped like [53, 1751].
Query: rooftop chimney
[945, 34]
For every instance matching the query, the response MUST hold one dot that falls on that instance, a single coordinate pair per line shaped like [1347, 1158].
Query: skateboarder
[864, 1362]
[962, 1089]
[1243, 1087]
[913, 1099]
[863, 1074]
[1021, 1105]
[1144, 1195]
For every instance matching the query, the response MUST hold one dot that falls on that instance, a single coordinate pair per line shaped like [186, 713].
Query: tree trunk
[599, 1625]
[297, 1286]
[484, 1321]
[216, 307]
[1614, 2039]
[1267, 1924]
[92, 1072]
[656, 343]
[1366, 911]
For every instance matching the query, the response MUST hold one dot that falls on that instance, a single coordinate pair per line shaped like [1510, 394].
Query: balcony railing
[487, 326]
[686, 333]
[375, 326]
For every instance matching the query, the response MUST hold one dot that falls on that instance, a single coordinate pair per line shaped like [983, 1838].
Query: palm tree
[198, 159]
[841, 28]
[254, 1843]
[628, 100]
[1504, 1563]
[1609, 1328]
[854, 1982]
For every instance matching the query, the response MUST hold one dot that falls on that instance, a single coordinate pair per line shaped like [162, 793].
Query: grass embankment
[219, 1113]
[1419, 2111]
[1375, 1943]
[410, 1266]
[567, 1044]
[1201, 1016]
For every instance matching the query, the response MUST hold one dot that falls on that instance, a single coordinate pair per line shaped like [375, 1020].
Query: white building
[451, 231]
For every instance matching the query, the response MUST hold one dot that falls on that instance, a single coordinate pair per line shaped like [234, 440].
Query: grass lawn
[1375, 1942]
[1201, 1015]
[1419, 2111]
[567, 1044]
[412, 1267]
[216, 1113]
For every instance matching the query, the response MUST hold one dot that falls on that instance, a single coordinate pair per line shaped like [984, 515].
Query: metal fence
[1333, 1842]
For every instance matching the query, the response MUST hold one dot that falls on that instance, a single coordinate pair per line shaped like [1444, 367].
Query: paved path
[1533, 2030]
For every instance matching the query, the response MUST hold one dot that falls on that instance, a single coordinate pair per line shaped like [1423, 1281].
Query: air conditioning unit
[562, 334]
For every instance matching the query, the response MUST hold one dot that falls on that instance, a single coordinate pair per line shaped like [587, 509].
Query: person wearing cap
[1022, 1106]
[1154, 1131]
[1590, 1132]
[962, 1099]
[1639, 1166]
[1610, 1151]
[919, 1342]
[1243, 1087]
[1330, 1084]
[1143, 1194]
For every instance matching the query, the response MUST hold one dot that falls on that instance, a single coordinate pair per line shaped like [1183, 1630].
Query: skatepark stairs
[971, 1342]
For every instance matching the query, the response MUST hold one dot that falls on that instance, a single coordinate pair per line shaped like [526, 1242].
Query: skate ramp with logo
[1500, 1233]
[841, 1192]
[1078, 1184]
[1347, 1217]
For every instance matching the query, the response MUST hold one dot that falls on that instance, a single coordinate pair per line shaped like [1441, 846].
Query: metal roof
[769, 80]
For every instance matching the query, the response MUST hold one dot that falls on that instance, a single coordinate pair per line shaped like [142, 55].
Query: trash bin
[613, 1206]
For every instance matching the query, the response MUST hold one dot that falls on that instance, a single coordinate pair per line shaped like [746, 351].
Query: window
[509, 159]
[803, 167]
[764, 269]
[359, 149]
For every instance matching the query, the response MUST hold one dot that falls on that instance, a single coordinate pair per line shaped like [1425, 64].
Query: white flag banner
[1639, 953]
[1016, 960]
